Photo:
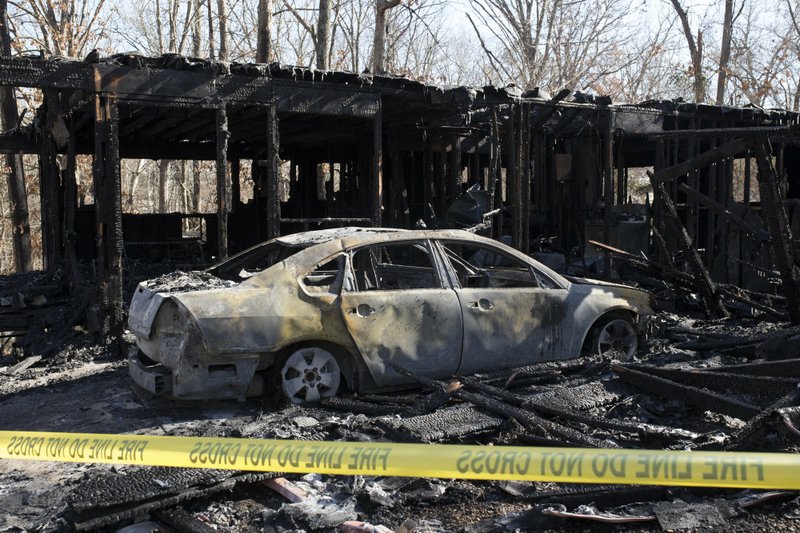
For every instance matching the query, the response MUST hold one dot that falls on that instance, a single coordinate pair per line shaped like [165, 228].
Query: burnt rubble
[696, 385]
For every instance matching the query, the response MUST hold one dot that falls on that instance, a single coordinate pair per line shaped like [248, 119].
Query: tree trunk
[264, 39]
[223, 30]
[323, 42]
[18, 199]
[163, 175]
[210, 30]
[695, 51]
[725, 52]
[382, 7]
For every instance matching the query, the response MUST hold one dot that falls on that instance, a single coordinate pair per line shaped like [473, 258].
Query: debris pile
[724, 384]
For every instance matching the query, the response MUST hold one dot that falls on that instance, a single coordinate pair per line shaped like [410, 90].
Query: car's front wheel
[309, 375]
[616, 336]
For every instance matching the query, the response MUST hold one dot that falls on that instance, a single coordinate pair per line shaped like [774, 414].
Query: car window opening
[323, 277]
[394, 267]
[480, 267]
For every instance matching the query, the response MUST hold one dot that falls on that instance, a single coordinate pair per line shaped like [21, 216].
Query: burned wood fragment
[565, 413]
[180, 520]
[782, 369]
[721, 380]
[524, 417]
[757, 426]
[291, 492]
[692, 395]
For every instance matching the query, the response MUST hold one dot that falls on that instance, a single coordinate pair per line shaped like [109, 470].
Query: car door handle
[362, 310]
[483, 305]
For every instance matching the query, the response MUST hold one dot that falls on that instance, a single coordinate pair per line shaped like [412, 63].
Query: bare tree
[222, 16]
[17, 198]
[318, 30]
[695, 45]
[264, 41]
[725, 51]
[382, 8]
[62, 27]
[550, 43]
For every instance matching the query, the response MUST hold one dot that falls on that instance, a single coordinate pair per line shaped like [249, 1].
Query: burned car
[318, 311]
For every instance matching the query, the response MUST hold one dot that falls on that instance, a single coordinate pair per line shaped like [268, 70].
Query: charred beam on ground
[693, 395]
[524, 417]
[721, 380]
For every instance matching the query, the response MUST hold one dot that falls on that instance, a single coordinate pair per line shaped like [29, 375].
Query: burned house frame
[403, 151]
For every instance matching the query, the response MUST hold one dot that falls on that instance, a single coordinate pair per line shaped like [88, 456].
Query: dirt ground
[86, 388]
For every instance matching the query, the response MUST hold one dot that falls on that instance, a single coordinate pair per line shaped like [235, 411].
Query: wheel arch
[614, 312]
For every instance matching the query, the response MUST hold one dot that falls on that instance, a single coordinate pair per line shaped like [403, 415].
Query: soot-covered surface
[691, 387]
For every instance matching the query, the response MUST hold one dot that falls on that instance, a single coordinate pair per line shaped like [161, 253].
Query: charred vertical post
[50, 185]
[273, 149]
[108, 209]
[441, 178]
[779, 229]
[608, 191]
[495, 185]
[70, 206]
[512, 179]
[525, 189]
[223, 182]
[377, 167]
[454, 183]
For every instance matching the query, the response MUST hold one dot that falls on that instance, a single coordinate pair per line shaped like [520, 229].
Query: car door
[399, 309]
[512, 313]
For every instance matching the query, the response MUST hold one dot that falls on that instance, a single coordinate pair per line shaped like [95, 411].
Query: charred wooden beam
[726, 132]
[547, 112]
[223, 182]
[377, 168]
[783, 368]
[692, 395]
[522, 416]
[50, 184]
[108, 212]
[779, 229]
[705, 159]
[273, 149]
[720, 209]
[608, 191]
[757, 385]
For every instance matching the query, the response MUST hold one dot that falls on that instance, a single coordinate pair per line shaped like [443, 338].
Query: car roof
[354, 237]
[307, 238]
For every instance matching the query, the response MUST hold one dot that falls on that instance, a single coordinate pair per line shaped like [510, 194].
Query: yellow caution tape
[564, 465]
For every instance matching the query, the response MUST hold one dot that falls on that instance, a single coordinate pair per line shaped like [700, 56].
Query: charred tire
[615, 335]
[310, 374]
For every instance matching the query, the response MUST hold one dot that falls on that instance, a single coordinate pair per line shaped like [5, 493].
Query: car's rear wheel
[309, 375]
[616, 336]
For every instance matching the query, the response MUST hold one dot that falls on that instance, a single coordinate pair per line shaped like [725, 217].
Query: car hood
[641, 299]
